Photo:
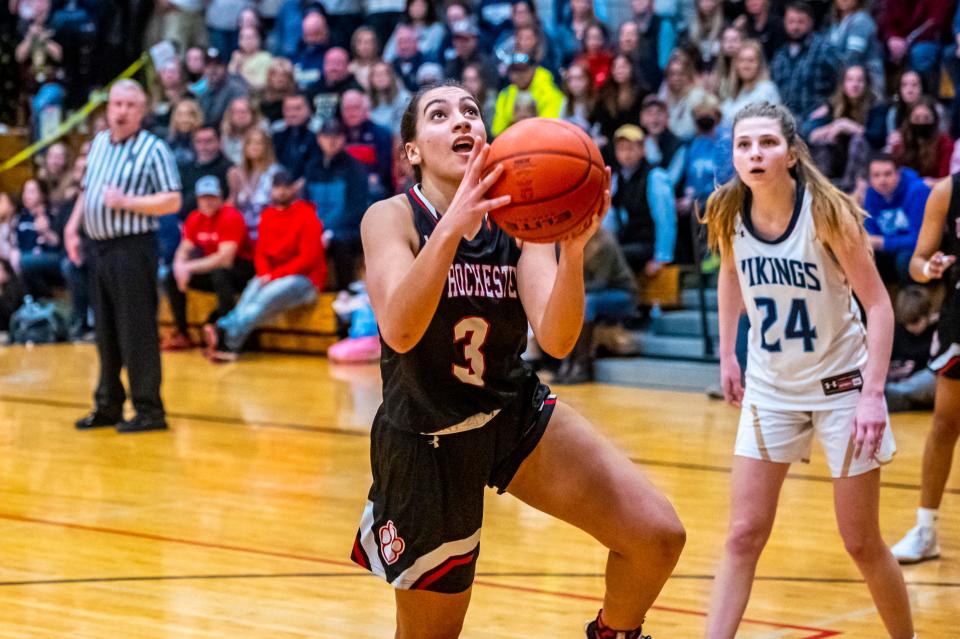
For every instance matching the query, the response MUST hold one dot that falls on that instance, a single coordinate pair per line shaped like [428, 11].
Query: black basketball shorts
[420, 529]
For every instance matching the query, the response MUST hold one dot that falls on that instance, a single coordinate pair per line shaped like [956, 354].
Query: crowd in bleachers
[315, 88]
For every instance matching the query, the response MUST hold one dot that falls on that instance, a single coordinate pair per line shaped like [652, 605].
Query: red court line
[819, 633]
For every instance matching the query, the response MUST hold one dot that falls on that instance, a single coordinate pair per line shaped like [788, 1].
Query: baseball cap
[208, 185]
[519, 60]
[214, 54]
[283, 177]
[630, 132]
[653, 100]
[464, 29]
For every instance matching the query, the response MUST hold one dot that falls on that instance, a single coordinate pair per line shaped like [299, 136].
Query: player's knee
[946, 426]
[863, 547]
[662, 531]
[747, 539]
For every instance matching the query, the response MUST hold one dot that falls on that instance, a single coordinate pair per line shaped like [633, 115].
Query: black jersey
[950, 245]
[467, 365]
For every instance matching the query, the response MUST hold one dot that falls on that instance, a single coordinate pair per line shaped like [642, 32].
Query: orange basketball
[554, 174]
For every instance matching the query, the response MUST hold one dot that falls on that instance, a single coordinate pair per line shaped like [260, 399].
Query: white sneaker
[919, 544]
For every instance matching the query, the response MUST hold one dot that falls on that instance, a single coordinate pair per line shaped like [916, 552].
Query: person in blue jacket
[338, 185]
[895, 201]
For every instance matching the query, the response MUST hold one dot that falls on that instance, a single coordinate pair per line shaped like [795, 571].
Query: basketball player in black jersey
[934, 257]
[453, 295]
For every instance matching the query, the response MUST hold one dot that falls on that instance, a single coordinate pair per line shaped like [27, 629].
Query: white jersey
[807, 337]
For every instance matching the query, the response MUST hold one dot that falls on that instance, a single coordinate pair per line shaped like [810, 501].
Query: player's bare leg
[422, 614]
[941, 442]
[754, 492]
[857, 504]
[578, 476]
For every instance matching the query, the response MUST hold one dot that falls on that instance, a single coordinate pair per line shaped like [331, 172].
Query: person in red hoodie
[290, 264]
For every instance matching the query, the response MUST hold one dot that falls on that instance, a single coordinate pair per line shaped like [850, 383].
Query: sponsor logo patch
[842, 383]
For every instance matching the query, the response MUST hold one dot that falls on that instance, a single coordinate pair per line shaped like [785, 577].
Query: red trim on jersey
[953, 362]
[429, 578]
[413, 193]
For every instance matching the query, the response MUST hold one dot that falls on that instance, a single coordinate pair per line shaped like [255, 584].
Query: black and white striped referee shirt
[140, 165]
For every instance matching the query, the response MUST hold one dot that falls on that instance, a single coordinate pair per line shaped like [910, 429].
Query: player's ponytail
[832, 208]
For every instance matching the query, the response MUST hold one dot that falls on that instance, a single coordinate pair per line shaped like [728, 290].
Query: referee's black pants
[124, 277]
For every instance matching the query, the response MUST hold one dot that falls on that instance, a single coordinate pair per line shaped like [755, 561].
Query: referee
[131, 179]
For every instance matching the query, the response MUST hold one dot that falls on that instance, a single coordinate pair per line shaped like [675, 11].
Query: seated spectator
[913, 31]
[326, 93]
[762, 24]
[11, 294]
[285, 37]
[39, 235]
[679, 91]
[524, 108]
[293, 139]
[486, 96]
[525, 33]
[280, 84]
[596, 54]
[290, 269]
[662, 148]
[642, 212]
[186, 118]
[579, 96]
[842, 130]
[221, 88]
[336, 184]
[895, 201]
[429, 74]
[570, 29]
[618, 101]
[724, 74]
[388, 97]
[252, 178]
[250, 61]
[466, 39]
[805, 68]
[454, 11]
[194, 64]
[308, 59]
[526, 77]
[364, 53]
[704, 32]
[210, 160]
[853, 36]
[215, 255]
[182, 22]
[910, 89]
[420, 18]
[8, 235]
[56, 175]
[40, 57]
[611, 296]
[707, 164]
[750, 82]
[920, 144]
[407, 58]
[910, 384]
[240, 119]
[171, 90]
[368, 143]
[656, 37]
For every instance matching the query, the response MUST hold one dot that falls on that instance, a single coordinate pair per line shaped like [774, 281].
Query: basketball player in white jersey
[793, 251]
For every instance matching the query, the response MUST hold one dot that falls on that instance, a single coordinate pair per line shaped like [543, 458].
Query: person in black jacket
[337, 184]
[293, 141]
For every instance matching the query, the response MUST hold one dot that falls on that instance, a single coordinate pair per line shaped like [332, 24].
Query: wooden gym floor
[238, 522]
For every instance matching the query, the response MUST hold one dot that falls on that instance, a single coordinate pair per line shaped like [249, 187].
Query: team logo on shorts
[391, 544]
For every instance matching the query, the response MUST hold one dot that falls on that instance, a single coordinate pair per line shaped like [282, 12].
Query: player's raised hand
[730, 381]
[579, 239]
[868, 424]
[470, 203]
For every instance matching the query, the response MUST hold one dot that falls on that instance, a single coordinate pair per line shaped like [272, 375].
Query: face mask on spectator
[923, 130]
[705, 123]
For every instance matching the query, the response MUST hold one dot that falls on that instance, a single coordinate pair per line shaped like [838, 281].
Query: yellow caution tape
[96, 100]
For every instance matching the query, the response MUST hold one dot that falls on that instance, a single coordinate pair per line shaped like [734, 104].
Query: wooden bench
[663, 288]
[309, 329]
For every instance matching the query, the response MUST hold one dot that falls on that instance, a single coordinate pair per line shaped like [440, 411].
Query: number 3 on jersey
[473, 332]
[797, 325]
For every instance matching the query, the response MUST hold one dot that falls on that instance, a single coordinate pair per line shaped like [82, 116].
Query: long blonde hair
[832, 209]
[763, 72]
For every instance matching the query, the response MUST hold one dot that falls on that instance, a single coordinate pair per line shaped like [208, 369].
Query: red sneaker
[596, 630]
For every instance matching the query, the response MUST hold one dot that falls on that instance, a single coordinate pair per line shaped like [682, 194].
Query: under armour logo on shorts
[391, 544]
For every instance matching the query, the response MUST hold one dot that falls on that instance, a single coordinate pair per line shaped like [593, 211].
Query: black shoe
[98, 419]
[141, 424]
[595, 632]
